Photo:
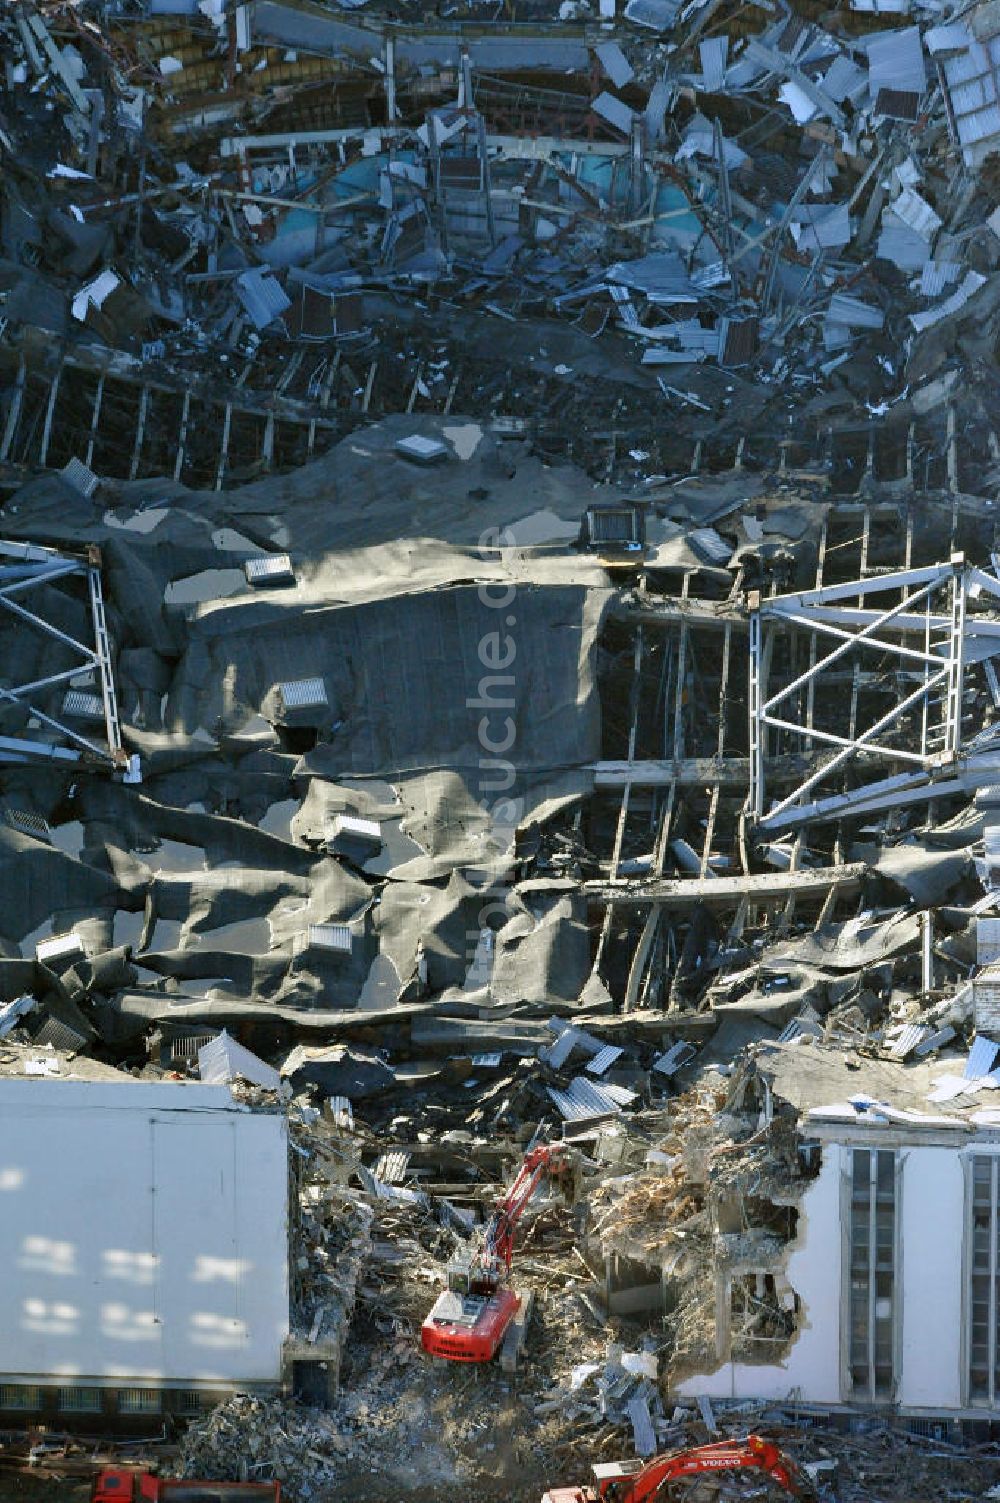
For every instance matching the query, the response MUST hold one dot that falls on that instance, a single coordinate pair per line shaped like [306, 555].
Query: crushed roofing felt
[497, 533]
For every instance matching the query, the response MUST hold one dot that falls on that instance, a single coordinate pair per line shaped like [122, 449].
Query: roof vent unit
[328, 939]
[61, 947]
[613, 529]
[79, 478]
[269, 569]
[26, 823]
[422, 450]
[357, 839]
[301, 701]
[82, 706]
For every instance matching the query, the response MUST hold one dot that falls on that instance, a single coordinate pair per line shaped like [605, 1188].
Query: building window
[188, 1401]
[139, 1401]
[20, 1396]
[984, 1307]
[872, 1273]
[81, 1400]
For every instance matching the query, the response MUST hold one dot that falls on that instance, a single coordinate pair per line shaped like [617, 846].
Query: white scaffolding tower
[28, 571]
[935, 628]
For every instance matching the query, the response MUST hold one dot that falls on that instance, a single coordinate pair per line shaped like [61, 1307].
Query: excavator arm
[546, 1159]
[754, 1454]
[632, 1484]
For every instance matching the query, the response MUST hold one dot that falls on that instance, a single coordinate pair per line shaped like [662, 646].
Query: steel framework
[29, 570]
[936, 626]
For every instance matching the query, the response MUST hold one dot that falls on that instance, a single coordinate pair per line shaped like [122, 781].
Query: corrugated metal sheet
[657, 14]
[675, 1058]
[303, 694]
[391, 1167]
[916, 213]
[800, 1028]
[424, 450]
[896, 61]
[981, 1058]
[662, 277]
[715, 274]
[655, 113]
[604, 1059]
[660, 355]
[911, 1035]
[709, 543]
[559, 1052]
[937, 275]
[835, 336]
[822, 226]
[714, 53]
[262, 296]
[854, 313]
[970, 73]
[624, 306]
[642, 1426]
[689, 334]
[971, 283]
[936, 1041]
[739, 340]
[615, 64]
[584, 1099]
[341, 1112]
[897, 104]
[900, 245]
[699, 141]
[272, 568]
[615, 111]
[383, 1191]
[955, 36]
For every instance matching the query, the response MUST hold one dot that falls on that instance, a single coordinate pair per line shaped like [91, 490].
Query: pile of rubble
[498, 587]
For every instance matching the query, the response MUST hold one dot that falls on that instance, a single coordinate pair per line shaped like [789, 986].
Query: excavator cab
[459, 1273]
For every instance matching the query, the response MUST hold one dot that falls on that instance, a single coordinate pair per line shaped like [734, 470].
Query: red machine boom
[635, 1481]
[469, 1321]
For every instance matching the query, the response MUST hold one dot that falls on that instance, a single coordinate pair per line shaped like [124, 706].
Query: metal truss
[934, 628]
[27, 573]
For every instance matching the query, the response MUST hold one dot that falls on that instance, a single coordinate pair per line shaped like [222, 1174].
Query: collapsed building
[499, 610]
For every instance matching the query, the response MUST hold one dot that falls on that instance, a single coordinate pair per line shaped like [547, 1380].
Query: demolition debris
[500, 592]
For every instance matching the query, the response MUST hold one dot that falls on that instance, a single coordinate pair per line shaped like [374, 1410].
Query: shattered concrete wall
[811, 1367]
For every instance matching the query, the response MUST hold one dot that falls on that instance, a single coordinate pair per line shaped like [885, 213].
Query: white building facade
[894, 1270]
[143, 1242]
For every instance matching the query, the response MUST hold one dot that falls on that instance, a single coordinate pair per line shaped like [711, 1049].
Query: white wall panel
[143, 1233]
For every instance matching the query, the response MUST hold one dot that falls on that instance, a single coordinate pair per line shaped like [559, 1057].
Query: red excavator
[634, 1481]
[118, 1485]
[471, 1318]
